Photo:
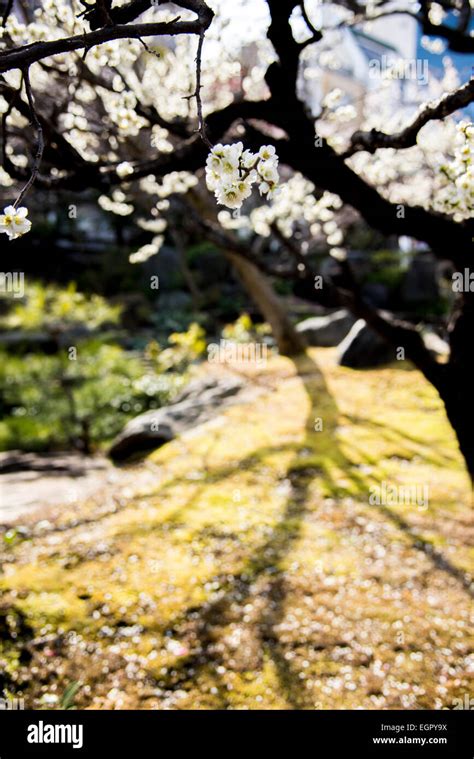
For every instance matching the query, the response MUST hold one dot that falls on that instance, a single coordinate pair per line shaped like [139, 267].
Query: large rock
[201, 400]
[23, 341]
[420, 283]
[364, 349]
[376, 294]
[175, 300]
[26, 341]
[326, 331]
[438, 347]
[52, 463]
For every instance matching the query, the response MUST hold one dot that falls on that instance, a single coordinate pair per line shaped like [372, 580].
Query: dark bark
[406, 138]
[457, 386]
[258, 286]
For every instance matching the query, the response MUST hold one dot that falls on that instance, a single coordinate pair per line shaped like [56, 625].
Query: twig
[5, 115]
[147, 46]
[7, 12]
[316, 35]
[197, 94]
[148, 49]
[40, 146]
[307, 20]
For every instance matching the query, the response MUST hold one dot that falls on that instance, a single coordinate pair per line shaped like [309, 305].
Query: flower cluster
[147, 251]
[232, 171]
[121, 111]
[14, 222]
[317, 220]
[297, 209]
[457, 196]
[116, 204]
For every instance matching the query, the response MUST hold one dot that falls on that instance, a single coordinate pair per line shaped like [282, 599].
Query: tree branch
[40, 146]
[397, 332]
[406, 138]
[459, 41]
[197, 93]
[7, 11]
[219, 236]
[28, 54]
[449, 240]
[315, 33]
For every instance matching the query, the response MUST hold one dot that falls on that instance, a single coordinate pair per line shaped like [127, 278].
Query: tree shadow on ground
[265, 565]
[402, 437]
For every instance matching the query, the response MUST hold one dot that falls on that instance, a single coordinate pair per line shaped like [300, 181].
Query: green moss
[256, 573]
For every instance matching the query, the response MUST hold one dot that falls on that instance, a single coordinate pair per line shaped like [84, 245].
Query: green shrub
[51, 402]
[51, 308]
[243, 330]
[82, 396]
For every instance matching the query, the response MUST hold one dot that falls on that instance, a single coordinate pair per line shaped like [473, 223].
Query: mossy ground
[257, 574]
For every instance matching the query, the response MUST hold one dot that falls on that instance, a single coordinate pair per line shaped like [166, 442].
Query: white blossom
[124, 169]
[332, 99]
[147, 251]
[457, 177]
[14, 222]
[232, 171]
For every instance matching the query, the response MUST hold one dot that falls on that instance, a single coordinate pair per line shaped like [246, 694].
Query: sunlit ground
[256, 574]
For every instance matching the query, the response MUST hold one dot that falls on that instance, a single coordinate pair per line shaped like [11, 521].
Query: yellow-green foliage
[243, 330]
[255, 573]
[49, 307]
[184, 348]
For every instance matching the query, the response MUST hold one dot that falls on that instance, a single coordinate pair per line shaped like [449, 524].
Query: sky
[244, 20]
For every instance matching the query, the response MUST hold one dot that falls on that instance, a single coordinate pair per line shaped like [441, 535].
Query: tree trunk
[185, 270]
[458, 403]
[257, 285]
[457, 388]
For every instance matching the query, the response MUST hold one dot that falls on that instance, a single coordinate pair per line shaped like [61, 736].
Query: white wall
[399, 31]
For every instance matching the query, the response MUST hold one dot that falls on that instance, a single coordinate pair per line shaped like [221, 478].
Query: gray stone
[376, 294]
[364, 349]
[66, 462]
[326, 331]
[420, 283]
[438, 347]
[200, 401]
[16, 340]
[26, 341]
[176, 300]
